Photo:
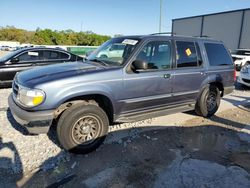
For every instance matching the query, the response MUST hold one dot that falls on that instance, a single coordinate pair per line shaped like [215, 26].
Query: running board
[142, 115]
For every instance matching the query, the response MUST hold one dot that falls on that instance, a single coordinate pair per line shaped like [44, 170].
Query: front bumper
[246, 78]
[35, 122]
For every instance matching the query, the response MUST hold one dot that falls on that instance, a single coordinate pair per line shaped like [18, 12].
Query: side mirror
[140, 65]
[14, 60]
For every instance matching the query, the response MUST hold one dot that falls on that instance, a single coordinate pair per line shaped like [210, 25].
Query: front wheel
[208, 102]
[82, 128]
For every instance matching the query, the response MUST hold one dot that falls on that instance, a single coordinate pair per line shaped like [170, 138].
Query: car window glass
[64, 55]
[54, 55]
[157, 54]
[186, 55]
[217, 54]
[30, 56]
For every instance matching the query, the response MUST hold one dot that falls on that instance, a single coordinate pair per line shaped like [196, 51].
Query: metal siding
[225, 27]
[187, 27]
[245, 37]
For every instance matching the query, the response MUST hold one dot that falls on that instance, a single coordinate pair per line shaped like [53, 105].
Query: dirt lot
[201, 153]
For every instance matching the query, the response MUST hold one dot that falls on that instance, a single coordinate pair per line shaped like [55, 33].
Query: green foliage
[49, 37]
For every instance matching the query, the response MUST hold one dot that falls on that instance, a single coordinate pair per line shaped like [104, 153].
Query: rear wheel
[82, 128]
[208, 102]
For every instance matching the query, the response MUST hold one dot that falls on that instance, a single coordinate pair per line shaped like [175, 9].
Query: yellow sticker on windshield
[188, 52]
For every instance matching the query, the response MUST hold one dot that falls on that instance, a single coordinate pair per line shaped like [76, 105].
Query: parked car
[5, 48]
[27, 58]
[241, 57]
[244, 77]
[112, 51]
[154, 76]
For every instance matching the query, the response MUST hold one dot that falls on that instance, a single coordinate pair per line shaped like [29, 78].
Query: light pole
[160, 16]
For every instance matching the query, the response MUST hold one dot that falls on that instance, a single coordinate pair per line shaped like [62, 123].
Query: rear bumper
[35, 122]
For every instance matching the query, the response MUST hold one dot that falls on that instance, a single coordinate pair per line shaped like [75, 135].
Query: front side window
[217, 54]
[186, 55]
[115, 51]
[30, 56]
[157, 54]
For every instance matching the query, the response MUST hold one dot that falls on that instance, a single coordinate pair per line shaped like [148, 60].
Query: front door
[22, 62]
[150, 88]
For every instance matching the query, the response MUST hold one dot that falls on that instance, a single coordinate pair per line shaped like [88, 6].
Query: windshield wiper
[99, 61]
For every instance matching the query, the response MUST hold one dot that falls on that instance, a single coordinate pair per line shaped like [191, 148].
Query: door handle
[167, 76]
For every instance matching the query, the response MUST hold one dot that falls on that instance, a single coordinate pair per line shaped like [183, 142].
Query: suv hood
[54, 72]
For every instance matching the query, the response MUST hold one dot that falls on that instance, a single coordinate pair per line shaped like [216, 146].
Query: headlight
[30, 97]
[244, 70]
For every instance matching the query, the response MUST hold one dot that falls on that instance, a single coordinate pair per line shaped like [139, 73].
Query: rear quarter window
[217, 54]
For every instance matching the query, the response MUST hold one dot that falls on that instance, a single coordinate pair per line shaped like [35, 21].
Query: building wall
[233, 28]
[245, 37]
[190, 27]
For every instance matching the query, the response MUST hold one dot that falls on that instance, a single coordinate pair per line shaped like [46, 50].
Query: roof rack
[204, 36]
[164, 33]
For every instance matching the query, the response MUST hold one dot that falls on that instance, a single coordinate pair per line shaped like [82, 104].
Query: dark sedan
[29, 58]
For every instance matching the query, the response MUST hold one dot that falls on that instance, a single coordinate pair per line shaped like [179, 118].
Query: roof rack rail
[205, 36]
[164, 33]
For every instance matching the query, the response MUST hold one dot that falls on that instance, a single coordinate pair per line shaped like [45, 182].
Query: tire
[208, 102]
[82, 128]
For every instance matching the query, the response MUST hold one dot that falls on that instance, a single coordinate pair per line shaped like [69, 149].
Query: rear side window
[217, 54]
[186, 54]
[54, 55]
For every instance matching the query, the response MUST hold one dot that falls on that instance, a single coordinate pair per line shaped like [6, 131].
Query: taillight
[234, 74]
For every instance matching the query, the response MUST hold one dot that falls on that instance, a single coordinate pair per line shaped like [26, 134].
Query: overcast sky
[107, 16]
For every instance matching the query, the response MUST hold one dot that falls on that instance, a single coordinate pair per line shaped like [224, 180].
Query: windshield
[9, 55]
[114, 52]
[241, 52]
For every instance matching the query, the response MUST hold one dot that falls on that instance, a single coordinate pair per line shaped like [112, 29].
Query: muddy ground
[201, 153]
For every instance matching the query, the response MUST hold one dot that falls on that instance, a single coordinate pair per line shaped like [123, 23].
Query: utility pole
[160, 20]
[81, 26]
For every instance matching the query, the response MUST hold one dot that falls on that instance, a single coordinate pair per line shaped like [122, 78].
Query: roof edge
[211, 14]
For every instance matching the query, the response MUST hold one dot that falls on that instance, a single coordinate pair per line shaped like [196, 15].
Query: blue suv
[154, 75]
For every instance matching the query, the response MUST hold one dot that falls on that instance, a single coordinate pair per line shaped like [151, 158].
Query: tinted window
[157, 54]
[54, 55]
[186, 55]
[30, 56]
[241, 52]
[217, 54]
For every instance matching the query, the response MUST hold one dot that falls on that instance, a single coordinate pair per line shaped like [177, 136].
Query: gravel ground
[31, 153]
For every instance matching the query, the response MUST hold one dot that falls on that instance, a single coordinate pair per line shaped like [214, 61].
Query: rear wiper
[99, 61]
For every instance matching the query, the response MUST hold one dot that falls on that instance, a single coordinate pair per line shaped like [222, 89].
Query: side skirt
[147, 114]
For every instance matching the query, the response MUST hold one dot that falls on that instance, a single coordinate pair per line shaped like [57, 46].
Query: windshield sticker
[188, 52]
[33, 53]
[130, 42]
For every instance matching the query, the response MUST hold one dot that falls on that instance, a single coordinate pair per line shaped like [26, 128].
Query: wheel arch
[101, 100]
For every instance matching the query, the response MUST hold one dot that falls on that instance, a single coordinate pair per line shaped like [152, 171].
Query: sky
[109, 17]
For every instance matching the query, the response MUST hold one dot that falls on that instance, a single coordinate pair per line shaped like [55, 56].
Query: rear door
[53, 56]
[189, 71]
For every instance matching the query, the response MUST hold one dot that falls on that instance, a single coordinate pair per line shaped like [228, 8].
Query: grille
[246, 80]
